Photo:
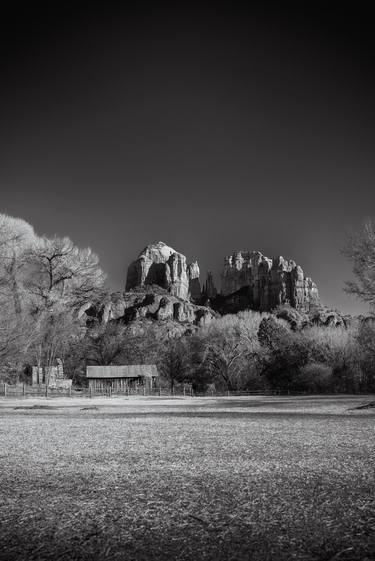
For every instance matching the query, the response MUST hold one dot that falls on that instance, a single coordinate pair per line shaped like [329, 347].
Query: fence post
[144, 389]
[159, 391]
[184, 390]
[90, 391]
[46, 390]
[5, 389]
[110, 392]
[70, 391]
[23, 389]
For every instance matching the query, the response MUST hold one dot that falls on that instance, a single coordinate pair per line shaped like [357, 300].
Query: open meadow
[252, 478]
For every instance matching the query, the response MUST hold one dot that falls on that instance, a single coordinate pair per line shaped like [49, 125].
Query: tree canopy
[44, 282]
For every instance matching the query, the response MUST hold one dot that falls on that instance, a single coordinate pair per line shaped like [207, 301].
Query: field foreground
[256, 478]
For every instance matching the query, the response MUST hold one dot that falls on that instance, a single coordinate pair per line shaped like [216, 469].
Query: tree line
[46, 284]
[248, 351]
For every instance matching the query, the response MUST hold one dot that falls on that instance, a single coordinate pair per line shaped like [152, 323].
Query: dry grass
[227, 479]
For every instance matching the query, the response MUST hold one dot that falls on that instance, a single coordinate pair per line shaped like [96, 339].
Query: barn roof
[126, 371]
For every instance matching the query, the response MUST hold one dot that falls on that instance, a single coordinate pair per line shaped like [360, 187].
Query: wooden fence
[25, 390]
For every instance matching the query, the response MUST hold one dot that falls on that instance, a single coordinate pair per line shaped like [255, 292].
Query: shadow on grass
[88, 413]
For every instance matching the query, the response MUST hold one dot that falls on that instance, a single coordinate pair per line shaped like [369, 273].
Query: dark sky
[210, 130]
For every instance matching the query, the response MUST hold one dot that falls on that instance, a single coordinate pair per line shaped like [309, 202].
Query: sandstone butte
[160, 285]
[157, 267]
[161, 265]
[263, 283]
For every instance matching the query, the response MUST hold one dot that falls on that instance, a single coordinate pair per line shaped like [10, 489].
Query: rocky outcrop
[329, 318]
[158, 264]
[296, 319]
[263, 284]
[156, 304]
[323, 317]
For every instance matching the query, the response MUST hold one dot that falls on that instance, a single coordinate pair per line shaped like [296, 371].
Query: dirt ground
[237, 478]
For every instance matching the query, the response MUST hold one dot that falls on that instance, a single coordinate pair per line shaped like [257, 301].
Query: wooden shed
[121, 377]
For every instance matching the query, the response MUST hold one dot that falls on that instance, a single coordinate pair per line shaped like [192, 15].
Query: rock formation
[194, 282]
[159, 286]
[159, 264]
[151, 303]
[209, 290]
[263, 283]
[320, 316]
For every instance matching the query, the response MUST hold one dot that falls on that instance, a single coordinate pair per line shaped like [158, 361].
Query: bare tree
[16, 239]
[360, 249]
[64, 276]
[173, 361]
[17, 336]
[231, 347]
[43, 285]
[16, 329]
[106, 345]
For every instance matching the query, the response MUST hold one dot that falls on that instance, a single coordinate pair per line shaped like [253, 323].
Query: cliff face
[266, 283]
[161, 265]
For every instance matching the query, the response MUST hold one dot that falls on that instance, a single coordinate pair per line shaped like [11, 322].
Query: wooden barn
[121, 378]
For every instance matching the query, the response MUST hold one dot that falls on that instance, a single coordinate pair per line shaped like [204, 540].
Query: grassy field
[254, 478]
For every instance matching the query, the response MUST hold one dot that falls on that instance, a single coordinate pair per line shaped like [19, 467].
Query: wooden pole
[90, 391]
[5, 389]
[46, 390]
[23, 389]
